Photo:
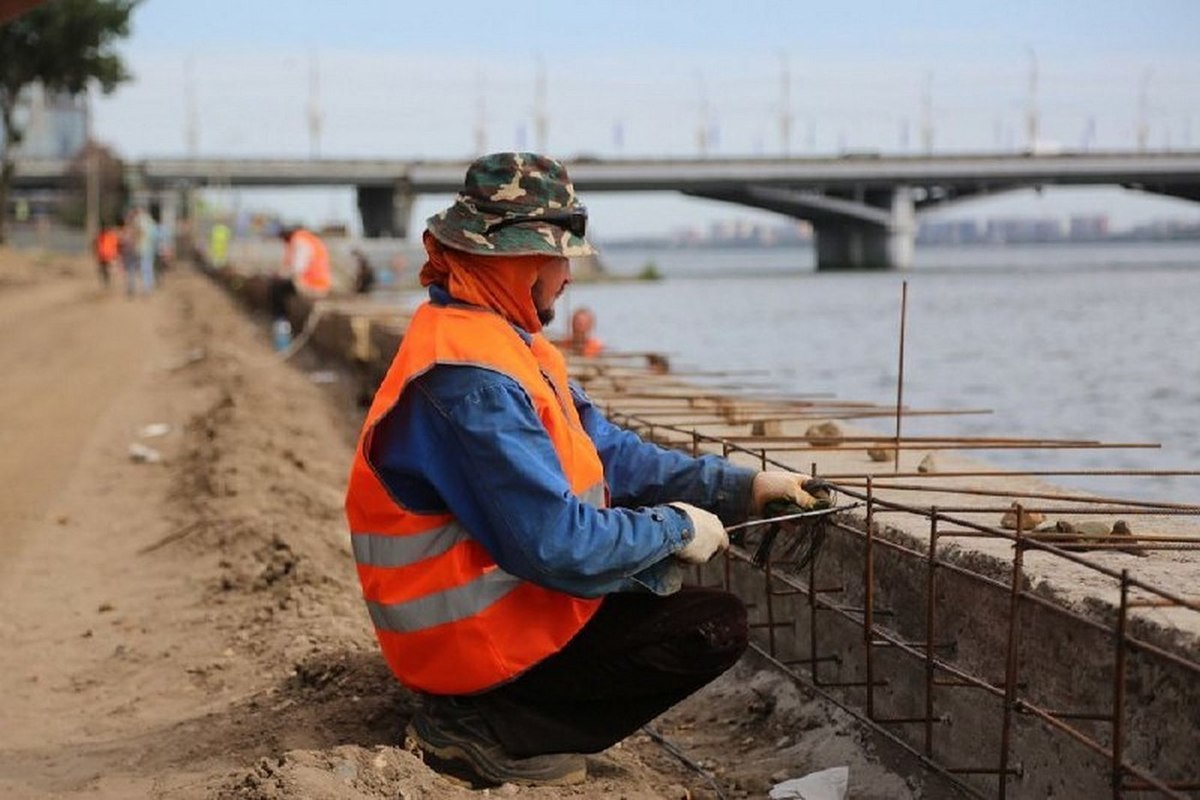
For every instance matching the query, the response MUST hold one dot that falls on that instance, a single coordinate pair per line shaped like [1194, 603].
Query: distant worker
[132, 238]
[364, 275]
[218, 245]
[108, 252]
[304, 271]
[581, 342]
[145, 244]
[164, 243]
[522, 557]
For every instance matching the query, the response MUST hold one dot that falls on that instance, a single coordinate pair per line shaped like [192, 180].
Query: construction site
[184, 618]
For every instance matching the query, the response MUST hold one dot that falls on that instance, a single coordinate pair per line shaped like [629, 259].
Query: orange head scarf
[500, 283]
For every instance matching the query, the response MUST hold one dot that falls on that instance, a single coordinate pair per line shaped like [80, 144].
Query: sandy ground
[193, 628]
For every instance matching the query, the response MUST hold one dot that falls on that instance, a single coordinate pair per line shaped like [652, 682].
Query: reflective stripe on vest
[442, 607]
[387, 550]
[384, 550]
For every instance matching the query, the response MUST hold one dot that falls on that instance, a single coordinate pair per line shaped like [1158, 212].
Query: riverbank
[191, 627]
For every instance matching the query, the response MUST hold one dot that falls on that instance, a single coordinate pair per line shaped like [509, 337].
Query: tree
[64, 44]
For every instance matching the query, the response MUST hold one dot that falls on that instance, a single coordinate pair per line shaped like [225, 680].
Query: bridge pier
[385, 211]
[886, 241]
[861, 229]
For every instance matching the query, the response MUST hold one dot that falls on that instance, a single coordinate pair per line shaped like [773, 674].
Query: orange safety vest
[591, 347]
[107, 245]
[448, 619]
[315, 277]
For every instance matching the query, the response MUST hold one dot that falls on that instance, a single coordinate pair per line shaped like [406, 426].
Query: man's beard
[544, 315]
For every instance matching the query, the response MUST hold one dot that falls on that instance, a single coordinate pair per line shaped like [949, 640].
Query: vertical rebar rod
[1011, 657]
[812, 621]
[812, 608]
[900, 372]
[1118, 711]
[869, 601]
[770, 606]
[930, 588]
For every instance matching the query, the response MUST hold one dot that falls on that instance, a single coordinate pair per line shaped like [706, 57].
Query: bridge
[863, 207]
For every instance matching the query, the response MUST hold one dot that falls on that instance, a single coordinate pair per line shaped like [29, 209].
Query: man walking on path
[520, 556]
[108, 252]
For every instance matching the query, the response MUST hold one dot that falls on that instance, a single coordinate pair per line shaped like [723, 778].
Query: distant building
[1024, 230]
[949, 231]
[1088, 228]
[55, 123]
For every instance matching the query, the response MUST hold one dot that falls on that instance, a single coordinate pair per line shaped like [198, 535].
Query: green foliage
[650, 272]
[64, 44]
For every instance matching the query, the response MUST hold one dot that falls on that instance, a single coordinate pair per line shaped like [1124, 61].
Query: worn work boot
[457, 741]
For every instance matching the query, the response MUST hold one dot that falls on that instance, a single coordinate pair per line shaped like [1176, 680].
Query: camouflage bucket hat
[515, 204]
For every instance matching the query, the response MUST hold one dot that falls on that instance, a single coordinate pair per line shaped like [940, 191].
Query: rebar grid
[674, 418]
[1125, 776]
[941, 674]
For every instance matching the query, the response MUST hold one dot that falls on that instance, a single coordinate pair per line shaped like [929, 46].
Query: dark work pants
[278, 292]
[639, 655]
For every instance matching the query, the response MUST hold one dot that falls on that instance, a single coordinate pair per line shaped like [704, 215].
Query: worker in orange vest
[304, 271]
[521, 557]
[108, 250]
[581, 342]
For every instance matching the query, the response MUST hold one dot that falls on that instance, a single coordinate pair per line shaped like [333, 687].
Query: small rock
[823, 434]
[1029, 519]
[1121, 528]
[881, 454]
[928, 464]
[506, 790]
[104, 608]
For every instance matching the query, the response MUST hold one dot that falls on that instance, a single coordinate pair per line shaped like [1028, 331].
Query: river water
[1065, 341]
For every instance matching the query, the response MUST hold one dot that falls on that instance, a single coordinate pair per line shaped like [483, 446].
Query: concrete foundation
[385, 211]
[855, 243]
[1064, 663]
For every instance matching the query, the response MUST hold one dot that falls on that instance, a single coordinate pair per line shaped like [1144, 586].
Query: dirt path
[192, 628]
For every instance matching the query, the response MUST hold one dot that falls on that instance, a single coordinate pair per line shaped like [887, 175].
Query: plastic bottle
[281, 331]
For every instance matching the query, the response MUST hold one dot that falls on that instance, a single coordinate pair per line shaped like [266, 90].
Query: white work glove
[778, 485]
[710, 535]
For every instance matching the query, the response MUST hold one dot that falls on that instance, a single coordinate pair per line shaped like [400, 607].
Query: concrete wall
[1065, 664]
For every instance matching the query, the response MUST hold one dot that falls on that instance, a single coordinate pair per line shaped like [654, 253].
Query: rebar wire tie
[820, 512]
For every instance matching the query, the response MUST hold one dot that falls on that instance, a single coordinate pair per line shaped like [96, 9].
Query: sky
[656, 78]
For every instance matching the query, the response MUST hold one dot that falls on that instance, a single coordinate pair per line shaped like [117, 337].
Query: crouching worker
[304, 271]
[521, 557]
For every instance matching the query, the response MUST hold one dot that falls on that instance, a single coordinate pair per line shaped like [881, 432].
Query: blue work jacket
[467, 440]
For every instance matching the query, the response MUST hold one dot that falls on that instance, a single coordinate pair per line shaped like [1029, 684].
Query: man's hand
[779, 485]
[710, 535]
